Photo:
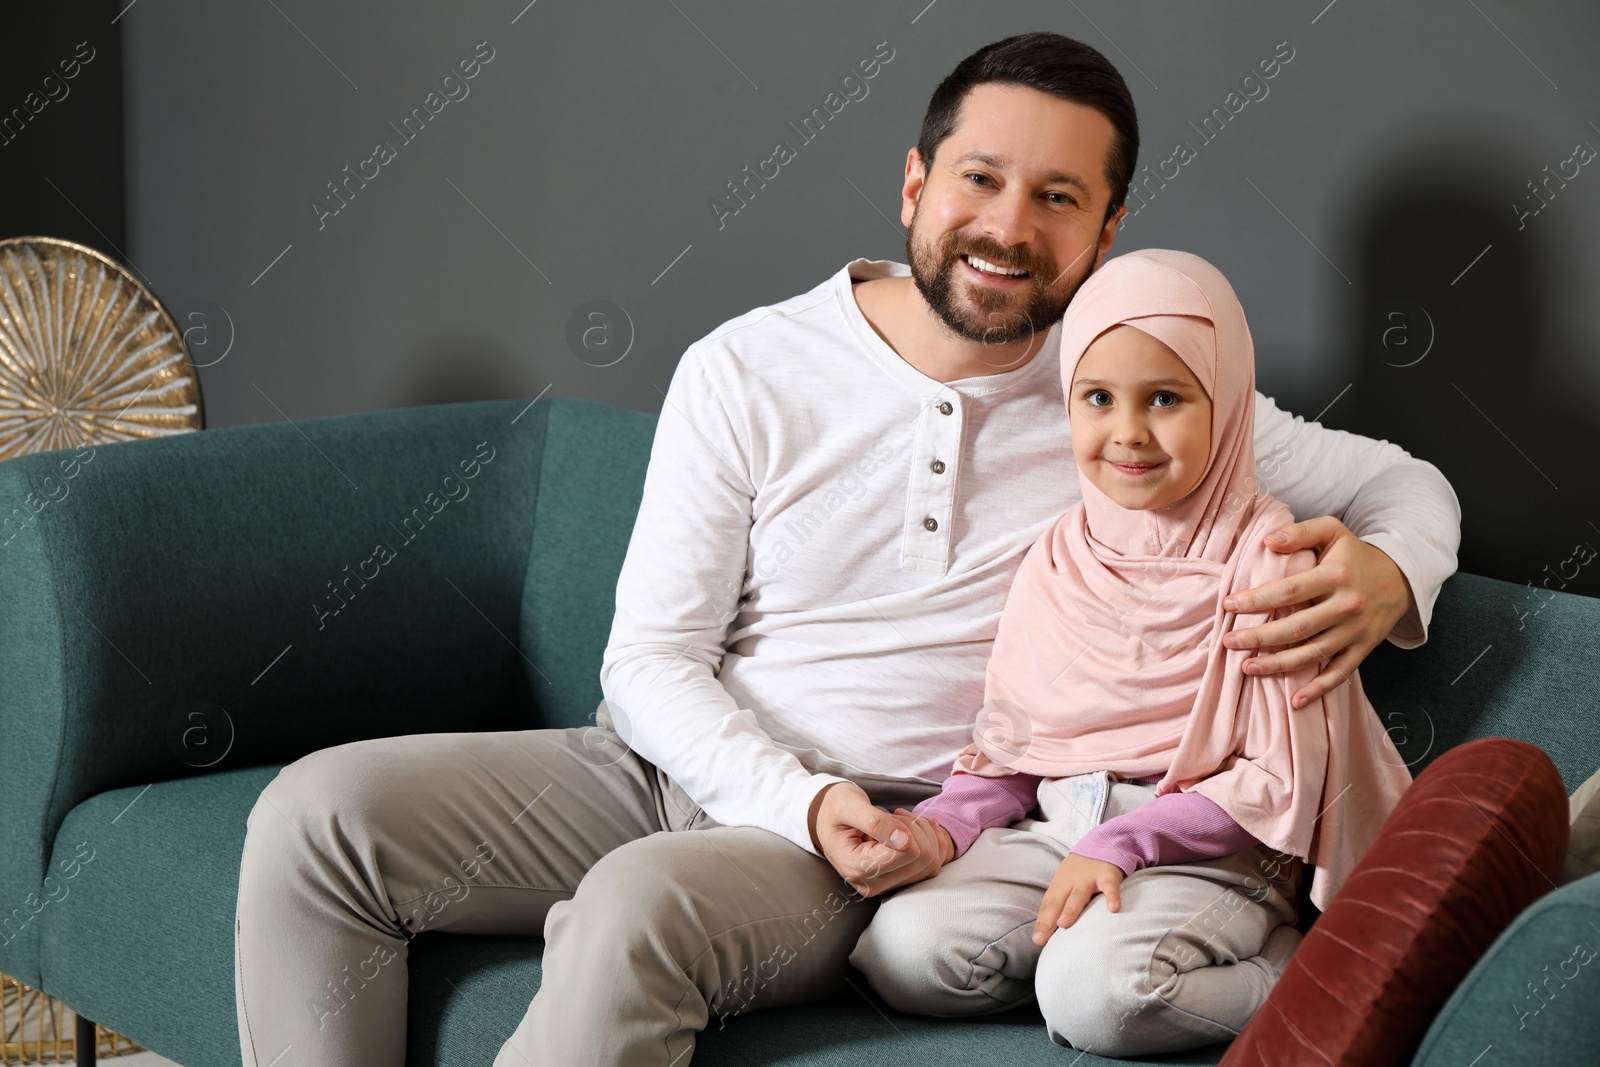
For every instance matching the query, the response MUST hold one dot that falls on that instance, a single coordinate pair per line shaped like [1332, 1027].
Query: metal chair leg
[86, 1044]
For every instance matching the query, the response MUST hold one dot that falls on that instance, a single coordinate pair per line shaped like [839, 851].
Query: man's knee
[665, 901]
[640, 891]
[302, 800]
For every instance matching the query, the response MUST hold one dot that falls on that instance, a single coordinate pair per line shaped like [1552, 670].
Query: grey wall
[1345, 204]
[61, 124]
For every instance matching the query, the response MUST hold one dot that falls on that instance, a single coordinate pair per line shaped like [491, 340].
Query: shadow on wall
[1455, 359]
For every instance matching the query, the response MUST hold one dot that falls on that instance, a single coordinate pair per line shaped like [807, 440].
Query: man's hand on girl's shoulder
[1341, 609]
[1075, 884]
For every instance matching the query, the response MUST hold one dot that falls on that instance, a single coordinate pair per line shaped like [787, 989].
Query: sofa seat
[143, 942]
[156, 901]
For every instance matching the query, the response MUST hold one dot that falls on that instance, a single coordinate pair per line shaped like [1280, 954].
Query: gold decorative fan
[87, 354]
[39, 1029]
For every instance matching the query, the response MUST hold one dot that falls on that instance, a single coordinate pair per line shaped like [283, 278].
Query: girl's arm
[971, 803]
[1172, 828]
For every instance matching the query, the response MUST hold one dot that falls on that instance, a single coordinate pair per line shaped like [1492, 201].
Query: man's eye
[1166, 400]
[1062, 198]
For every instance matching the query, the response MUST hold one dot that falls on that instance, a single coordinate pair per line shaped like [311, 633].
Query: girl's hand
[1076, 882]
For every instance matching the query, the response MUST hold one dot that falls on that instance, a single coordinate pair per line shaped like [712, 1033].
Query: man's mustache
[1011, 261]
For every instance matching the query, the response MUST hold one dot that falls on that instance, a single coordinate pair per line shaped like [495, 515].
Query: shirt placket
[931, 496]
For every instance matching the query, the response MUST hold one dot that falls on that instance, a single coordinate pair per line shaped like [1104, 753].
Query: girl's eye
[1166, 400]
[1097, 398]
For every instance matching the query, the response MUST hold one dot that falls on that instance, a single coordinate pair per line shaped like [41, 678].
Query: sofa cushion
[143, 943]
[1476, 838]
[1532, 997]
[469, 993]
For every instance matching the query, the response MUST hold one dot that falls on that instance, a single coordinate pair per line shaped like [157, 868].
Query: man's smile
[990, 271]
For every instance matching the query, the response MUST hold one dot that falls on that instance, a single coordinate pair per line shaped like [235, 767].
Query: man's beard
[988, 316]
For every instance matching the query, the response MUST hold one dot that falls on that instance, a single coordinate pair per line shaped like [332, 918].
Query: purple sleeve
[971, 803]
[1171, 828]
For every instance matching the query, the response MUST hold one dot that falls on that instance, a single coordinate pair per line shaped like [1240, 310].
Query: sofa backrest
[1501, 661]
[590, 482]
[207, 601]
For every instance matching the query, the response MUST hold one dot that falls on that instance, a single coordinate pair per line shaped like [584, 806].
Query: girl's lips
[1135, 468]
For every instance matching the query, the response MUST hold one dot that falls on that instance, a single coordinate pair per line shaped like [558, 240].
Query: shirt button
[938, 466]
[930, 524]
[945, 408]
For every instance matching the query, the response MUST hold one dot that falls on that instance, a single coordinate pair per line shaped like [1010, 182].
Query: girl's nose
[1130, 432]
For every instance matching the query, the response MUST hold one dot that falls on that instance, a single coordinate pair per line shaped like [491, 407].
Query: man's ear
[911, 189]
[1108, 234]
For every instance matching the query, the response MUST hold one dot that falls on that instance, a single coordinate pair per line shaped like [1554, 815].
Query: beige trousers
[658, 921]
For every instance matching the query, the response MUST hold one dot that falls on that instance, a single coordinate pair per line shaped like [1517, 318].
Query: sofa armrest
[1532, 995]
[245, 596]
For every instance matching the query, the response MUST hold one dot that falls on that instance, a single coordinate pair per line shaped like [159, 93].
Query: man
[840, 489]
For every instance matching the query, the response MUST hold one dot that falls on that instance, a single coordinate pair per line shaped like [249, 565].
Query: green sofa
[169, 640]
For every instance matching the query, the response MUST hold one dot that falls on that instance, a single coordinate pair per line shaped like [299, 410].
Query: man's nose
[1008, 219]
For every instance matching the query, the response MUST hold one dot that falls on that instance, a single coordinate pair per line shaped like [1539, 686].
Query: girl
[1151, 906]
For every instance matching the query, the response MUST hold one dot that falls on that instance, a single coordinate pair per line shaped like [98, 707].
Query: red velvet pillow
[1480, 835]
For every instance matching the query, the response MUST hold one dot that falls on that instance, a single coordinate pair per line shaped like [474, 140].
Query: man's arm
[1379, 570]
[678, 590]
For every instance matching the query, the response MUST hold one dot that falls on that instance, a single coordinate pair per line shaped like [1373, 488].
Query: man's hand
[1353, 596]
[935, 849]
[1076, 882]
[871, 849]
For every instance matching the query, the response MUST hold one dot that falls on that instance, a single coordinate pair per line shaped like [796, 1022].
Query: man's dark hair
[1050, 63]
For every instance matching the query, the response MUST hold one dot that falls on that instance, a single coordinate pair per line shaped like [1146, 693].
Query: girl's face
[1141, 423]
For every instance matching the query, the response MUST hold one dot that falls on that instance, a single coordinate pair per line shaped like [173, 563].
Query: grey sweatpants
[658, 921]
[1187, 960]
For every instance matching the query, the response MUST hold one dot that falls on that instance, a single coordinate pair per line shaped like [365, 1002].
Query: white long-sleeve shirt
[827, 537]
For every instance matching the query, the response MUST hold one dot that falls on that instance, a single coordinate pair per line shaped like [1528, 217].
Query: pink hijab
[1109, 654]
